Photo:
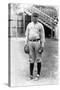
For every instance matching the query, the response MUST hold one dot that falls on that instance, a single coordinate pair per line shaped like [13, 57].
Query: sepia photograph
[33, 36]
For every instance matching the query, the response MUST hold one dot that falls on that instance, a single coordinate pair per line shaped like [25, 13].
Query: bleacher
[43, 17]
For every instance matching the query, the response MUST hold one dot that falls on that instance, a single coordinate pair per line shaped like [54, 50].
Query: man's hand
[41, 48]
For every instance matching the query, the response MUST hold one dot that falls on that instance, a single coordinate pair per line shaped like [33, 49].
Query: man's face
[35, 19]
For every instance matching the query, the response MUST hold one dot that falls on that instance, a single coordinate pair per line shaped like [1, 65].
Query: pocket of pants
[37, 45]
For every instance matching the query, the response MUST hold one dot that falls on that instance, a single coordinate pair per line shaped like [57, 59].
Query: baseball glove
[26, 49]
[40, 50]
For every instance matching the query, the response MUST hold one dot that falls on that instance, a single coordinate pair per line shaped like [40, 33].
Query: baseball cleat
[37, 77]
[31, 77]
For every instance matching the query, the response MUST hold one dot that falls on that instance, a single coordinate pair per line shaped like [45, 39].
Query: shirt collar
[34, 23]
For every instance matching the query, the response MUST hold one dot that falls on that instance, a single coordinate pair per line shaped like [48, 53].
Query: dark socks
[38, 68]
[31, 68]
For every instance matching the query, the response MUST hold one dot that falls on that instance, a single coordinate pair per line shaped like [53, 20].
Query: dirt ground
[20, 64]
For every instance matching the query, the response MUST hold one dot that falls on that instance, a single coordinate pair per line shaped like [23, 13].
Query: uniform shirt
[35, 31]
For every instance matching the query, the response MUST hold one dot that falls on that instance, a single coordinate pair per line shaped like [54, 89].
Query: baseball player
[35, 39]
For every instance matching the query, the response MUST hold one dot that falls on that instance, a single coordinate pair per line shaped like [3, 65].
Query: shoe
[37, 77]
[31, 77]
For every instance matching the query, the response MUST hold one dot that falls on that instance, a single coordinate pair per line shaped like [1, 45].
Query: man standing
[35, 39]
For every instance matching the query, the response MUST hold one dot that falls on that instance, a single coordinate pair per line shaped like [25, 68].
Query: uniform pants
[34, 55]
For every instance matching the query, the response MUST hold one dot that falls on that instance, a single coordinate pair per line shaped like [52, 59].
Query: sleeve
[42, 35]
[27, 34]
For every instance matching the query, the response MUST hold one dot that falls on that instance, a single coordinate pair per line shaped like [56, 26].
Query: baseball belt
[34, 40]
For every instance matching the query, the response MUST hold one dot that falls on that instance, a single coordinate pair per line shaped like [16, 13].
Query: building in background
[20, 16]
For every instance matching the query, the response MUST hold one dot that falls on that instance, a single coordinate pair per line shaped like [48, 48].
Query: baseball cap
[35, 15]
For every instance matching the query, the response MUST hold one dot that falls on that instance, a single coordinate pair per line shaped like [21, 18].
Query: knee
[39, 60]
[31, 61]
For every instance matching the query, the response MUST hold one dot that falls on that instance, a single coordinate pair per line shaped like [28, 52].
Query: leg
[31, 70]
[38, 68]
[38, 59]
[31, 59]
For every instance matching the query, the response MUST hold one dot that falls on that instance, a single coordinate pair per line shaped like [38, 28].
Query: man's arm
[27, 35]
[42, 36]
